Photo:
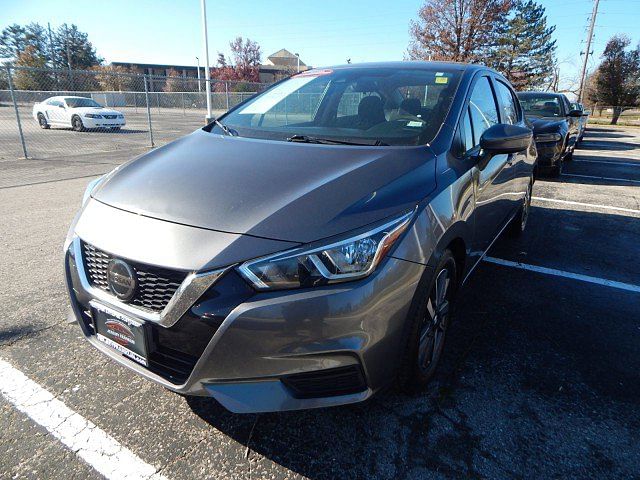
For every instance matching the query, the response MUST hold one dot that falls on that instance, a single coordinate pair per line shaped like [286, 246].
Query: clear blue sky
[324, 33]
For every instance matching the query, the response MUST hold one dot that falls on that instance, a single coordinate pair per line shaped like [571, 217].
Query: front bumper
[549, 153]
[103, 122]
[249, 349]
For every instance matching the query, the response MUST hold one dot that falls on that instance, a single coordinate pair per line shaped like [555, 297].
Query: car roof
[540, 94]
[411, 65]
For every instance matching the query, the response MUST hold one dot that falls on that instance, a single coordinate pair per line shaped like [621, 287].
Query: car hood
[278, 190]
[546, 124]
[99, 111]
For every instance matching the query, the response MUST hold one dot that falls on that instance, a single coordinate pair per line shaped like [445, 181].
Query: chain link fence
[154, 109]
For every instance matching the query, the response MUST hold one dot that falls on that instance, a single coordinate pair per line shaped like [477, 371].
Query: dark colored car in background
[555, 127]
[305, 249]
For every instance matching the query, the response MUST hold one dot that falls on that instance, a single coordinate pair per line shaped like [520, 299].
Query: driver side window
[481, 114]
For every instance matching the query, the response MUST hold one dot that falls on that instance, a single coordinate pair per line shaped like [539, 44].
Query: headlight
[92, 115]
[349, 259]
[90, 187]
[548, 137]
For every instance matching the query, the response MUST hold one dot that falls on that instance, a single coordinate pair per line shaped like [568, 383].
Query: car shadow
[584, 179]
[529, 365]
[605, 133]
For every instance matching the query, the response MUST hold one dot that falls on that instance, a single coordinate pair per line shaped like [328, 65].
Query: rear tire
[427, 324]
[42, 121]
[77, 125]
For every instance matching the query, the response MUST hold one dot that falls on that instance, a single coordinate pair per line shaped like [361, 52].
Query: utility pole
[207, 73]
[583, 75]
[199, 88]
[66, 42]
[52, 52]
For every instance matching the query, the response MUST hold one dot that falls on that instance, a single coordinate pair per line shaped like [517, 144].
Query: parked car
[305, 249]
[79, 113]
[555, 127]
[583, 120]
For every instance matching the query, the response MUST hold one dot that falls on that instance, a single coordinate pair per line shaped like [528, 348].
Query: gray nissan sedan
[304, 250]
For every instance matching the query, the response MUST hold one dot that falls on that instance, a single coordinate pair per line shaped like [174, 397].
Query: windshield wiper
[329, 141]
[223, 127]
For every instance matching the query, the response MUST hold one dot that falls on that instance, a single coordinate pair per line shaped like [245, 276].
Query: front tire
[76, 124]
[556, 170]
[42, 121]
[427, 324]
[519, 222]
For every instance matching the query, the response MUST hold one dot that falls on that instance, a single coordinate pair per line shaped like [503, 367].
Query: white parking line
[102, 452]
[590, 205]
[613, 179]
[627, 164]
[561, 273]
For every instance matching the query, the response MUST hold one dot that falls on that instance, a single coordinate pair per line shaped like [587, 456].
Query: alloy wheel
[435, 322]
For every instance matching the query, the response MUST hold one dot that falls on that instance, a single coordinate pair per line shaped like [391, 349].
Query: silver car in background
[304, 250]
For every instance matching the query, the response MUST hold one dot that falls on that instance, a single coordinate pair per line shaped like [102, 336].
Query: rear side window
[482, 105]
[508, 107]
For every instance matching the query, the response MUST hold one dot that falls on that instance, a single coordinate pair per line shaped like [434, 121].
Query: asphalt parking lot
[540, 375]
[166, 125]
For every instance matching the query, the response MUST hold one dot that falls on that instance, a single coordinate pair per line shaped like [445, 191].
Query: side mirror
[503, 138]
[61, 106]
[575, 113]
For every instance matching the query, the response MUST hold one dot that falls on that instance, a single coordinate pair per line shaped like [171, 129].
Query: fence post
[226, 90]
[184, 113]
[15, 107]
[146, 96]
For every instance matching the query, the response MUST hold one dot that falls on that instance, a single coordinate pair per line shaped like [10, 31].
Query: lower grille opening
[326, 383]
[171, 364]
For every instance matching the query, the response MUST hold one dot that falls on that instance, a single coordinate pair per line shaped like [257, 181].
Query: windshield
[540, 105]
[369, 106]
[81, 102]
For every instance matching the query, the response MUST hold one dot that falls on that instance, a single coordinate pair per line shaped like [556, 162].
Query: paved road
[540, 376]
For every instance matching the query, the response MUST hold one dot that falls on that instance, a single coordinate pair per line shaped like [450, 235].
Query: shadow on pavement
[537, 372]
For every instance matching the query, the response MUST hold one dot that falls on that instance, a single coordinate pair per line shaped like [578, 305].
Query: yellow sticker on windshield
[442, 80]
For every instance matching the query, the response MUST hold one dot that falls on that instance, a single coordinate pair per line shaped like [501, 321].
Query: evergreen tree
[525, 50]
[618, 76]
[73, 49]
[12, 41]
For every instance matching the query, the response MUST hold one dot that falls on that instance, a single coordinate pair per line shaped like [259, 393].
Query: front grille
[326, 383]
[156, 285]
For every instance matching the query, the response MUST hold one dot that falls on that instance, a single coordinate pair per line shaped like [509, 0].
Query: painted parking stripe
[588, 205]
[613, 179]
[609, 162]
[92, 444]
[561, 273]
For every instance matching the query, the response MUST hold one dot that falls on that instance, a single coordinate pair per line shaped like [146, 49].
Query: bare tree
[245, 53]
[457, 30]
[618, 80]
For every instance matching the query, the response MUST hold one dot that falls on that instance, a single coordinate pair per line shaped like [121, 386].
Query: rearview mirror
[504, 138]
[575, 113]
